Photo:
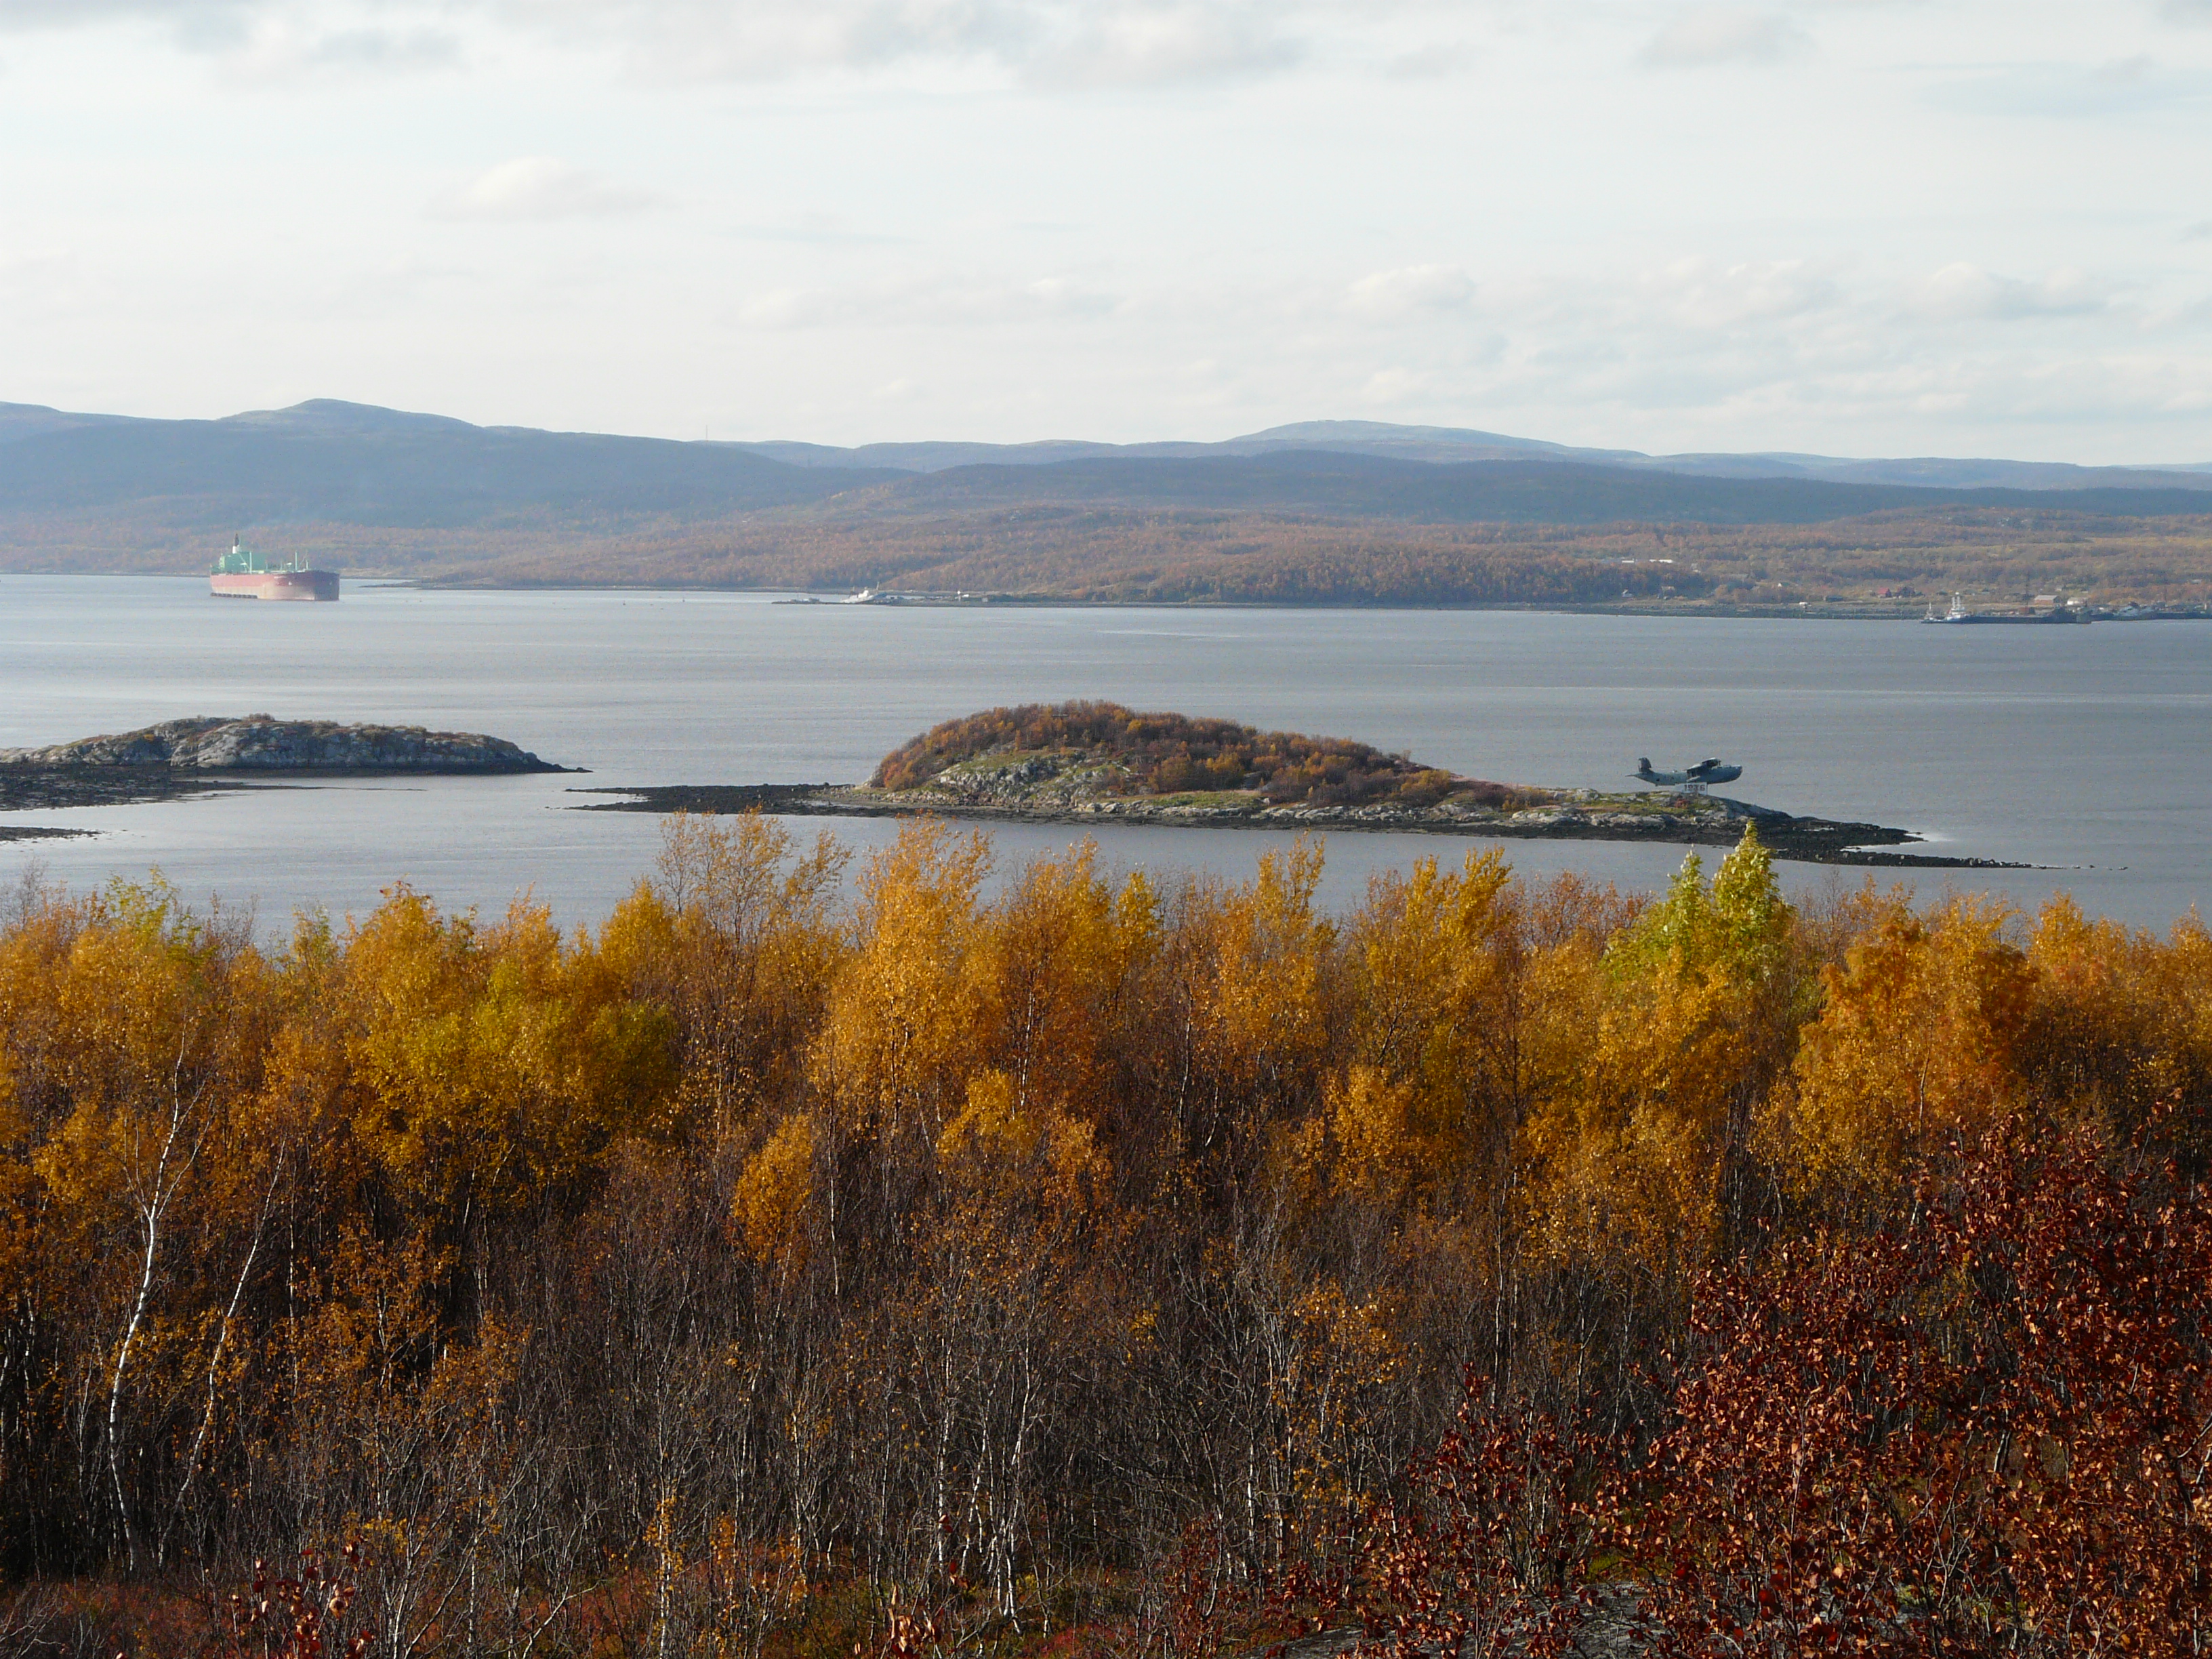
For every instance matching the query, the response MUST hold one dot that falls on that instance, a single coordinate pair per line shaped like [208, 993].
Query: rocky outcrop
[1815, 841]
[1091, 782]
[1038, 782]
[260, 743]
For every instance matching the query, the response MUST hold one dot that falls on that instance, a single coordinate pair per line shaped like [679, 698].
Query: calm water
[2089, 748]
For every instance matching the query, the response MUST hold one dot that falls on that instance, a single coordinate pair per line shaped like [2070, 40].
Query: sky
[1853, 227]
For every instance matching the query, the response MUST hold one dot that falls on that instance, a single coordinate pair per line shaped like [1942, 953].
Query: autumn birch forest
[896, 1256]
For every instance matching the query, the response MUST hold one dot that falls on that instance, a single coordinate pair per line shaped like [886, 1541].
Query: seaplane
[1692, 778]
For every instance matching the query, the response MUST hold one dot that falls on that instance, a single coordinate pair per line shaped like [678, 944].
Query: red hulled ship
[239, 574]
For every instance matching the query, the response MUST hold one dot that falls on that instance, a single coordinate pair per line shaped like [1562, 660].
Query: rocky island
[211, 753]
[1094, 763]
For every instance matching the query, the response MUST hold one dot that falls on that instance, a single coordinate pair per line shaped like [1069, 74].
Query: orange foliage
[691, 1280]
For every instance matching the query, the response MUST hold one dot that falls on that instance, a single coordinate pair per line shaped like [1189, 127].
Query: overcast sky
[1960, 227]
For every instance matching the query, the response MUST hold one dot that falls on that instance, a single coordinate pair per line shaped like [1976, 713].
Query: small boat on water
[2063, 615]
[241, 574]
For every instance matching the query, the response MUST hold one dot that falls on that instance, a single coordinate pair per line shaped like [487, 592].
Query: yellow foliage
[907, 1009]
[1441, 977]
[2119, 1022]
[1259, 992]
[500, 1064]
[738, 940]
[1694, 1010]
[1343, 1357]
[1379, 1154]
[770, 1205]
[944, 1174]
[1002, 1145]
[1916, 1040]
[1057, 947]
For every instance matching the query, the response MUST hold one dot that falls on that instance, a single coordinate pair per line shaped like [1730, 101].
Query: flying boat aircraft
[1696, 777]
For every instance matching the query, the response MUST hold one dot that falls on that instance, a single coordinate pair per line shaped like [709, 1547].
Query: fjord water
[2088, 749]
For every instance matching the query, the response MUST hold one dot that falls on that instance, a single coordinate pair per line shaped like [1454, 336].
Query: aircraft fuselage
[1694, 777]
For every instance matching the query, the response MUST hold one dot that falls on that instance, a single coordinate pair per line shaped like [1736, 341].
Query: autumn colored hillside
[374, 492]
[1102, 1265]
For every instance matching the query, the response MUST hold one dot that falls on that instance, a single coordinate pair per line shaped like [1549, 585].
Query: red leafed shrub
[1984, 1429]
[1488, 1552]
[301, 1617]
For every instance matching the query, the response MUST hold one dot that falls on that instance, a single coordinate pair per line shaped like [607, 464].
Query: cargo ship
[239, 574]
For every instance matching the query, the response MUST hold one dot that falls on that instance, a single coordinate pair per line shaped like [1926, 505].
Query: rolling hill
[1320, 513]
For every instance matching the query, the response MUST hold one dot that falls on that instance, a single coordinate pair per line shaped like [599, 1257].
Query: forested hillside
[1073, 1266]
[379, 492]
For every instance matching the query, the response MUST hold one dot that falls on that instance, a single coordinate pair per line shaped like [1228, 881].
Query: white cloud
[1703, 294]
[1152, 45]
[1707, 35]
[2138, 85]
[384, 49]
[946, 300]
[1045, 42]
[1053, 42]
[1562, 242]
[284, 52]
[270, 41]
[31, 276]
[764, 39]
[1410, 290]
[1396, 385]
[1962, 292]
[1433, 62]
[539, 187]
[43, 14]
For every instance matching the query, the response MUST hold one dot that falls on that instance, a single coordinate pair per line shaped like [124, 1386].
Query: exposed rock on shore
[214, 755]
[9, 832]
[260, 743]
[1585, 815]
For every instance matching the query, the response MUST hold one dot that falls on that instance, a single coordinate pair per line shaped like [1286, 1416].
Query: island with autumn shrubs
[1090, 763]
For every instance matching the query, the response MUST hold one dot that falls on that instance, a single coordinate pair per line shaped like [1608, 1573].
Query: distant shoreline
[1813, 611]
[1810, 611]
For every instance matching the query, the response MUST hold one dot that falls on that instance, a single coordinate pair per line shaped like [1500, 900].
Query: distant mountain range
[1325, 512]
[351, 463]
[1444, 444]
[327, 462]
